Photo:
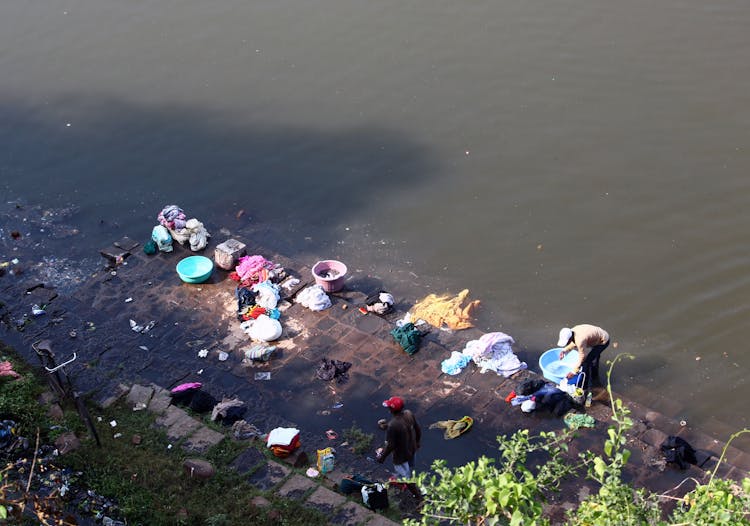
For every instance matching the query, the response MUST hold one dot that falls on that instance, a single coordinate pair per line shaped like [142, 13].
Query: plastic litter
[36, 310]
[223, 356]
[262, 376]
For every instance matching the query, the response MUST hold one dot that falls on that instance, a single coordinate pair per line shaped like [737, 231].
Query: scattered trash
[36, 310]
[141, 328]
[169, 446]
[312, 473]
[72, 334]
[143, 347]
[140, 406]
[117, 435]
[262, 376]
[113, 423]
[128, 300]
[683, 423]
[331, 434]
[200, 371]
[223, 356]
[6, 369]
[202, 353]
[338, 405]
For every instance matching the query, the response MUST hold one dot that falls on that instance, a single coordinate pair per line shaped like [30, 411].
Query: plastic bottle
[588, 400]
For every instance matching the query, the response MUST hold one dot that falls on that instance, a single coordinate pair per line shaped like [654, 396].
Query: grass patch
[18, 401]
[150, 486]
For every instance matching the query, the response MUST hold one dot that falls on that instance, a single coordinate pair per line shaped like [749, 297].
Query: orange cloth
[445, 310]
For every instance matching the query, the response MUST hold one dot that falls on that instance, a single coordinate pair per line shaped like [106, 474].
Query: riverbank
[92, 318]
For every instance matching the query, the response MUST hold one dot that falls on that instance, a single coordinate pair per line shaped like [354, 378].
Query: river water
[568, 162]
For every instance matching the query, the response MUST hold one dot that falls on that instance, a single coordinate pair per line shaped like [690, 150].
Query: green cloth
[576, 420]
[408, 337]
[150, 248]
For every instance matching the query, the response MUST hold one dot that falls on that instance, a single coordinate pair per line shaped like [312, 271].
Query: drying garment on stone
[263, 328]
[453, 428]
[253, 269]
[379, 303]
[242, 430]
[259, 352]
[330, 369]
[266, 294]
[245, 300]
[445, 310]
[494, 352]
[281, 436]
[314, 298]
[408, 337]
[220, 409]
[172, 217]
[455, 363]
[160, 236]
[197, 234]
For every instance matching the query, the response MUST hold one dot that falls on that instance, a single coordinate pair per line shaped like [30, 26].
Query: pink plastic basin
[329, 274]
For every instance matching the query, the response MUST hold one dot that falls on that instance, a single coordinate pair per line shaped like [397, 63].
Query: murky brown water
[566, 161]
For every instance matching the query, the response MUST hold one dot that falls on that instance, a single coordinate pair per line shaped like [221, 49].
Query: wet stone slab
[296, 487]
[324, 500]
[350, 514]
[269, 475]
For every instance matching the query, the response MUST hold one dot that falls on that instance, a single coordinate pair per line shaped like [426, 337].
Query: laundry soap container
[329, 274]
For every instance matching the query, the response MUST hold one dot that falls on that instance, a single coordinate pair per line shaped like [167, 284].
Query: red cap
[395, 403]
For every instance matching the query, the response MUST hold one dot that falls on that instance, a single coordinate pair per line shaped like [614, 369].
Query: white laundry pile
[314, 298]
[494, 352]
[263, 328]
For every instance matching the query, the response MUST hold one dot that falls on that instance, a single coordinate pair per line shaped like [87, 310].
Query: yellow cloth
[445, 310]
[453, 428]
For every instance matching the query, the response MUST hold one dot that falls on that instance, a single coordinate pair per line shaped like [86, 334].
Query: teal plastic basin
[195, 269]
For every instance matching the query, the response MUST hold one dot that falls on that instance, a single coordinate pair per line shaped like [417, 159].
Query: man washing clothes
[589, 341]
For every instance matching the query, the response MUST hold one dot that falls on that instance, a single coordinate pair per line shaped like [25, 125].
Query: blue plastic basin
[555, 369]
[195, 269]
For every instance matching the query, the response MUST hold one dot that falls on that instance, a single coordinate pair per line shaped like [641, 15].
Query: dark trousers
[590, 366]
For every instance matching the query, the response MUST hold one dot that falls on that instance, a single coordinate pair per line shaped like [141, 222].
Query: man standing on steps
[403, 437]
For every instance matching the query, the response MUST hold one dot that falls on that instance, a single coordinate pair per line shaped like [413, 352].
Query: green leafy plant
[487, 492]
[359, 441]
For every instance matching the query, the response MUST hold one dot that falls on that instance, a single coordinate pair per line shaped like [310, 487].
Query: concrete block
[228, 253]
[139, 396]
[160, 401]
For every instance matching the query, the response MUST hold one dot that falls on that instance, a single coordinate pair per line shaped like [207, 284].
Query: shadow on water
[122, 162]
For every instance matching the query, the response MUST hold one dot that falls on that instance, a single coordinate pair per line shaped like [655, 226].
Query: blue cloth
[455, 363]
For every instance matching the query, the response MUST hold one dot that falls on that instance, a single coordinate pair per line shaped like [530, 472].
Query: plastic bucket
[555, 369]
[329, 274]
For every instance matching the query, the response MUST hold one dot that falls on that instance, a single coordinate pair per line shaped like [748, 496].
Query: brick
[295, 487]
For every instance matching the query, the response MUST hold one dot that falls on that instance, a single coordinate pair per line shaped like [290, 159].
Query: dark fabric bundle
[202, 402]
[330, 369]
[408, 337]
[233, 414]
[529, 386]
[245, 300]
[677, 451]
